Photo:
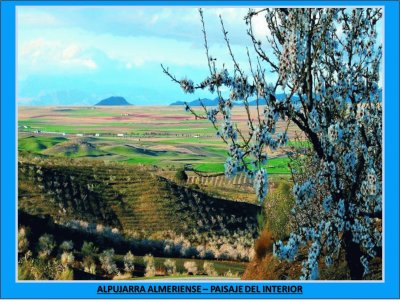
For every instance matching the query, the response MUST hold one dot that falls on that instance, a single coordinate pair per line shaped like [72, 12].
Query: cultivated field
[166, 136]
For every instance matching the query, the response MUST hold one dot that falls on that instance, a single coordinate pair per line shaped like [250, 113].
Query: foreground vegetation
[46, 259]
[125, 208]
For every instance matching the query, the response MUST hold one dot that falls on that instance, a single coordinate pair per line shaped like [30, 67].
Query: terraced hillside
[129, 199]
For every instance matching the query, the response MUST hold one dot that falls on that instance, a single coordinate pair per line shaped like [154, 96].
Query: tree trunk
[353, 254]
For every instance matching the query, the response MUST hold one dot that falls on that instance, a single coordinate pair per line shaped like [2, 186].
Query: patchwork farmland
[164, 136]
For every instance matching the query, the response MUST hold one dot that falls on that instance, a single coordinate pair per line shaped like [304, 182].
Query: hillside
[74, 148]
[133, 201]
[113, 101]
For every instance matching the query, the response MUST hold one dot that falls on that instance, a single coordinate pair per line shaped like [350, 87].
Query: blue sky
[79, 55]
[76, 55]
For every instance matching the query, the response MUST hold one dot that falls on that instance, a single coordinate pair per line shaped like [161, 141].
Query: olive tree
[317, 69]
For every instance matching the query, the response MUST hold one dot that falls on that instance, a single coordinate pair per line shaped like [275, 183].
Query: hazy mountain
[59, 98]
[177, 103]
[113, 101]
[214, 102]
[198, 102]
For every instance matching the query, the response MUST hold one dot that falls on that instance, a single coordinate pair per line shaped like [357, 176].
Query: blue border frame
[387, 289]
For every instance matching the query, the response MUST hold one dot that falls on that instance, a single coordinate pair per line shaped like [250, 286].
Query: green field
[38, 144]
[204, 157]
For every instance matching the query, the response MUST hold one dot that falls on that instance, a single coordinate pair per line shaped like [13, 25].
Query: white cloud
[32, 46]
[40, 55]
[36, 18]
[260, 27]
[135, 62]
[70, 52]
[89, 63]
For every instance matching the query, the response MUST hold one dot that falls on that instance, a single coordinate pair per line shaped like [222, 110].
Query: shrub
[107, 262]
[88, 248]
[181, 175]
[209, 269]
[67, 246]
[67, 259]
[125, 276]
[66, 274]
[89, 265]
[25, 270]
[263, 244]
[129, 264]
[194, 187]
[23, 243]
[261, 221]
[38, 269]
[170, 266]
[277, 211]
[191, 267]
[150, 267]
[46, 245]
[229, 274]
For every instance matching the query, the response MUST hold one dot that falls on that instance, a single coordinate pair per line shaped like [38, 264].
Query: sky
[80, 55]
[76, 55]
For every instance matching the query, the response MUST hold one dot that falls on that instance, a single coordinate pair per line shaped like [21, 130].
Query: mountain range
[214, 102]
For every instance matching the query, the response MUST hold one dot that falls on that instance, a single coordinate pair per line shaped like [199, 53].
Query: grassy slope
[38, 144]
[75, 148]
[121, 196]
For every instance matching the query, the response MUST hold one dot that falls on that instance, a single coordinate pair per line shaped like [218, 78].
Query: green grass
[299, 144]
[81, 147]
[57, 128]
[39, 143]
[128, 150]
[89, 112]
[121, 150]
[210, 167]
[196, 140]
[274, 166]
[143, 160]
[278, 165]
[170, 129]
[217, 151]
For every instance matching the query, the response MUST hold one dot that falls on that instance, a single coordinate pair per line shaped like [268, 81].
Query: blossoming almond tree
[327, 61]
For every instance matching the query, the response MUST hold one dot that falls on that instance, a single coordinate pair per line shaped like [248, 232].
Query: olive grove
[326, 61]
